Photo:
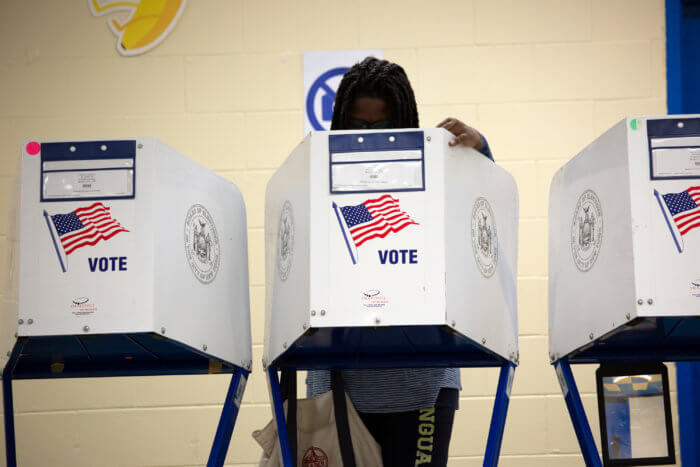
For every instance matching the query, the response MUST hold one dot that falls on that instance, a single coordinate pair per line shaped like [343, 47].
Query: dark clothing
[416, 438]
[485, 150]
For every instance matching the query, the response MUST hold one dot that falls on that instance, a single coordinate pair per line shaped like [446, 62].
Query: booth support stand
[498, 417]
[8, 406]
[496, 429]
[577, 414]
[224, 430]
[229, 413]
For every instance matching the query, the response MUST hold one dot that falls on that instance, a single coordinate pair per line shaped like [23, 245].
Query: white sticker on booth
[323, 71]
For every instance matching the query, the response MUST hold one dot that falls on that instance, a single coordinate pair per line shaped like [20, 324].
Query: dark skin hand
[464, 134]
[374, 109]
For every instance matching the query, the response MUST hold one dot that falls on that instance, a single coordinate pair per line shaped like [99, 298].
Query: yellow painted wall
[539, 78]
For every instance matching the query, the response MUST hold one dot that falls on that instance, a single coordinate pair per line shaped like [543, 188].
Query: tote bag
[328, 431]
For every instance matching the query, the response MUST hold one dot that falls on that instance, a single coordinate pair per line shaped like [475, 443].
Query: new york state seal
[587, 230]
[484, 237]
[201, 244]
[285, 241]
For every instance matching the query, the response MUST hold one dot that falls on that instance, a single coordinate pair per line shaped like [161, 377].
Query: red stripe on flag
[385, 232]
[689, 220]
[690, 227]
[88, 208]
[91, 233]
[686, 214]
[101, 237]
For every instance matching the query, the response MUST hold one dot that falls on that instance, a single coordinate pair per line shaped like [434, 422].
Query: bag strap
[288, 386]
[341, 419]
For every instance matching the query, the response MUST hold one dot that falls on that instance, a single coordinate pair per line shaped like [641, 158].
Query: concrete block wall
[540, 78]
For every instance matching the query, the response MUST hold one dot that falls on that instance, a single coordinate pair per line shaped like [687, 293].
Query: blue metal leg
[9, 415]
[498, 418]
[280, 419]
[688, 376]
[217, 456]
[577, 414]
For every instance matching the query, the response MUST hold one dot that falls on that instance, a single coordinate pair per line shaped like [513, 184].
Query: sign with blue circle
[323, 72]
[321, 89]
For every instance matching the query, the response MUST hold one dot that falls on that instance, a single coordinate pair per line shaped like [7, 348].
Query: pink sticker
[33, 148]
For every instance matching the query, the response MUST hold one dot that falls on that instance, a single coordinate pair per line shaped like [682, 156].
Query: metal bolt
[8, 353]
[650, 301]
[313, 312]
[284, 345]
[21, 321]
[640, 302]
[454, 323]
[483, 340]
[628, 316]
[590, 336]
[427, 138]
[360, 139]
[30, 321]
[86, 328]
[204, 347]
[304, 326]
[323, 312]
[162, 330]
[391, 139]
[140, 146]
[377, 321]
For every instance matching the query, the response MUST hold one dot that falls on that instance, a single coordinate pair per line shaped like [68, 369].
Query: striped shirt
[394, 390]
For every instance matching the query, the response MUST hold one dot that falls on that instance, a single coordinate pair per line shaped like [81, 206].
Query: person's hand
[464, 134]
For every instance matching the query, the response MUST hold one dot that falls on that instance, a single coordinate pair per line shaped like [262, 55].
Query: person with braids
[409, 412]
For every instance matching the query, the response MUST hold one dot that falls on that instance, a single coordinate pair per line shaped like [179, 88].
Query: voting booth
[128, 258]
[624, 271]
[389, 249]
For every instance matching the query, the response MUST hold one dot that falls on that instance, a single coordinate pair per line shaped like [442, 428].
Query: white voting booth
[391, 249]
[131, 259]
[624, 253]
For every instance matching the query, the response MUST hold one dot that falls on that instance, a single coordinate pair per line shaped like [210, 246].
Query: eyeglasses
[365, 125]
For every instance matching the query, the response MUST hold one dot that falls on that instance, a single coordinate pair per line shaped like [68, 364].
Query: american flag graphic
[375, 218]
[684, 208]
[85, 226]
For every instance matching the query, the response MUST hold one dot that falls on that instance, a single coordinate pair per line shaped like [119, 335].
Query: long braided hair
[376, 78]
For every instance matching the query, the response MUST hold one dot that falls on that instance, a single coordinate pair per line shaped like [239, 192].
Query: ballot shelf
[117, 355]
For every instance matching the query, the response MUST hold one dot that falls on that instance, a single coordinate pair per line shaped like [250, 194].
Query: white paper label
[676, 162]
[377, 176]
[88, 184]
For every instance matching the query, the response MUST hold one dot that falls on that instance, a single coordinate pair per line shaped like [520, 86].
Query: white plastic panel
[345, 271]
[646, 267]
[126, 269]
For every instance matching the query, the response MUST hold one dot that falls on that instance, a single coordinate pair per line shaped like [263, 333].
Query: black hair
[376, 78]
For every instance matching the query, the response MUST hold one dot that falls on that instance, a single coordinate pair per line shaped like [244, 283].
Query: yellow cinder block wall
[540, 78]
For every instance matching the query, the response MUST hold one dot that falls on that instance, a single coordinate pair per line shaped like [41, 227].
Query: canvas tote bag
[328, 431]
